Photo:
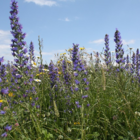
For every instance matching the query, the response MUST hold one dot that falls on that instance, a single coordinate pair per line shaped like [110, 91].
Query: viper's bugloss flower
[4, 134]
[53, 72]
[119, 51]
[8, 128]
[97, 59]
[137, 62]
[84, 96]
[76, 89]
[66, 76]
[4, 91]
[78, 66]
[77, 82]
[1, 60]
[133, 63]
[2, 112]
[106, 52]
[31, 52]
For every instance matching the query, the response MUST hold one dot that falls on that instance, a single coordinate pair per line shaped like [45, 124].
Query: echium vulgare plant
[119, 50]
[22, 79]
[79, 73]
[107, 54]
[81, 83]
[133, 65]
[21, 68]
[4, 86]
[127, 63]
[54, 79]
[97, 60]
[31, 52]
[67, 82]
[137, 63]
[66, 75]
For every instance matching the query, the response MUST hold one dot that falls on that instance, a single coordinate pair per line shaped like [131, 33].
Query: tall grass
[99, 102]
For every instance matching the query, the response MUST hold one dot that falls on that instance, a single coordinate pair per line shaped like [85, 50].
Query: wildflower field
[72, 99]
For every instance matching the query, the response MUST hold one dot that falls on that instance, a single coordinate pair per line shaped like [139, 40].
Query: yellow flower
[30, 98]
[64, 53]
[59, 72]
[37, 74]
[58, 61]
[42, 73]
[1, 101]
[82, 48]
[10, 94]
[76, 123]
[68, 62]
[34, 63]
[70, 49]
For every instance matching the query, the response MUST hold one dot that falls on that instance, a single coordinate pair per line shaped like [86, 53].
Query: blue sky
[60, 23]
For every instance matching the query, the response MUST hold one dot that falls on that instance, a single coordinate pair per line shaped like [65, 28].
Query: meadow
[71, 99]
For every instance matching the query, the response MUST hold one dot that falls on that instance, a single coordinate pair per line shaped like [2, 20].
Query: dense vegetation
[72, 99]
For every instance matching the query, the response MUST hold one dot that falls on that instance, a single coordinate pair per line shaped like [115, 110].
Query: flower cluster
[119, 50]
[31, 52]
[107, 53]
[53, 72]
[67, 76]
[4, 88]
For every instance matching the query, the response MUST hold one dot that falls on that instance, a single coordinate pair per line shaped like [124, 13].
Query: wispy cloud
[67, 0]
[128, 42]
[100, 41]
[66, 19]
[5, 49]
[43, 2]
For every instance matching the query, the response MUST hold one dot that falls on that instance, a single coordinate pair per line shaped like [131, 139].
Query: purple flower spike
[119, 50]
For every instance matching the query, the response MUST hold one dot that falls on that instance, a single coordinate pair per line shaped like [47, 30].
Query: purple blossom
[2, 112]
[84, 96]
[8, 128]
[119, 50]
[4, 91]
[4, 135]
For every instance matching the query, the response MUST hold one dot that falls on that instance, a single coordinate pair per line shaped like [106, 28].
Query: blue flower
[8, 128]
[4, 91]
[2, 112]
[4, 135]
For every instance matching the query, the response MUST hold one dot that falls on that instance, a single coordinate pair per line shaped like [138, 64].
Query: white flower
[33, 64]
[6, 71]
[45, 69]
[37, 80]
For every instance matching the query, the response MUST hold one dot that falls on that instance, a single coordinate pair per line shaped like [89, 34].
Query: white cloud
[67, 0]
[66, 19]
[128, 42]
[97, 41]
[43, 2]
[101, 41]
[5, 49]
